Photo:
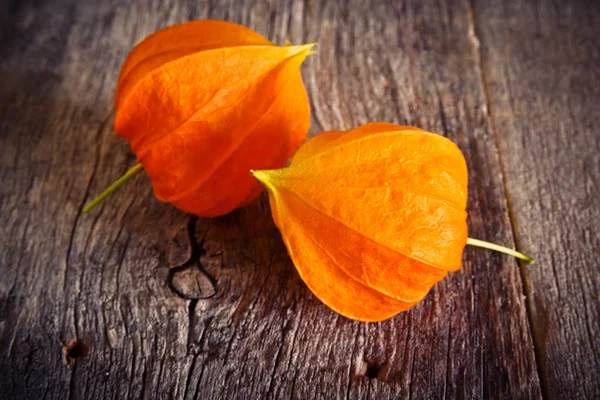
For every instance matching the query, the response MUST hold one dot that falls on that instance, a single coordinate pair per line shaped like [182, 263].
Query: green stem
[501, 249]
[113, 188]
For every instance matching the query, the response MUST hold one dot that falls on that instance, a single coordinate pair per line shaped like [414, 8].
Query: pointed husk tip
[304, 49]
[261, 175]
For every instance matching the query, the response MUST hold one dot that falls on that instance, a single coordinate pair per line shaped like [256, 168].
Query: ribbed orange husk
[204, 102]
[372, 217]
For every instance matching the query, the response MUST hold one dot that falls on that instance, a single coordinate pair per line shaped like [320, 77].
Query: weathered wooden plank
[64, 275]
[541, 63]
[103, 277]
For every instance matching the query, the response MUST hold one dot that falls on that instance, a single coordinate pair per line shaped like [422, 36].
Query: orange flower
[373, 217]
[202, 103]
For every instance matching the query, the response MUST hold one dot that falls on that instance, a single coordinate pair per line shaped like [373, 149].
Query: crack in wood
[190, 280]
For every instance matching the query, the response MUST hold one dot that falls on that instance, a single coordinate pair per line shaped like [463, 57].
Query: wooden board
[541, 68]
[233, 319]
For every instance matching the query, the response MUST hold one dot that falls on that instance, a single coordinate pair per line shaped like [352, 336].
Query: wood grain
[176, 307]
[542, 67]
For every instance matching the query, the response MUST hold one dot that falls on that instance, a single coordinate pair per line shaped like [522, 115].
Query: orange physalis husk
[372, 217]
[203, 102]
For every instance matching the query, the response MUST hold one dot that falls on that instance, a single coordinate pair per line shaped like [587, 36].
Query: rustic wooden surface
[168, 306]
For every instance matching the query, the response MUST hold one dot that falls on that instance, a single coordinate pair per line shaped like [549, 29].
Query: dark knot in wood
[74, 350]
[375, 369]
